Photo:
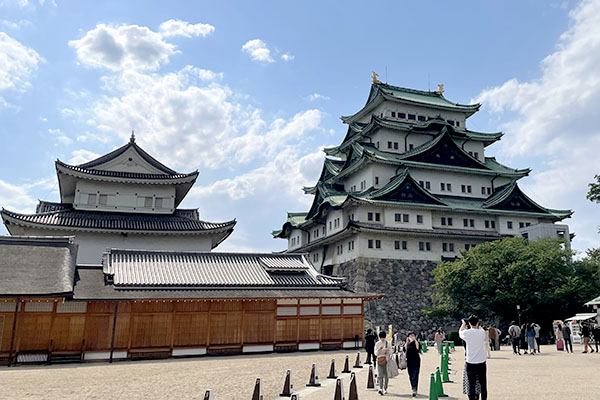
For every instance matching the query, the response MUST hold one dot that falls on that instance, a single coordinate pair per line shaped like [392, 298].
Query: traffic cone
[357, 362]
[257, 395]
[370, 379]
[339, 390]
[432, 389]
[208, 395]
[314, 378]
[287, 385]
[346, 366]
[332, 374]
[445, 377]
[353, 391]
[438, 383]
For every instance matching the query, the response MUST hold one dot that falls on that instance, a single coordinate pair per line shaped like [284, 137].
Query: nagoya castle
[410, 186]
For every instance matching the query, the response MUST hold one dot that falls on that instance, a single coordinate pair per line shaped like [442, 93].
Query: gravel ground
[549, 375]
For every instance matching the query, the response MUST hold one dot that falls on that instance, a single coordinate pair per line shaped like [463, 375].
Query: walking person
[493, 334]
[474, 337]
[412, 350]
[530, 336]
[586, 333]
[438, 339]
[560, 343]
[370, 340]
[515, 335]
[497, 344]
[536, 329]
[382, 352]
[566, 331]
[596, 334]
[523, 342]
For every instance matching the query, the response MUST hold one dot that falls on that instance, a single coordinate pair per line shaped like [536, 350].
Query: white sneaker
[384, 391]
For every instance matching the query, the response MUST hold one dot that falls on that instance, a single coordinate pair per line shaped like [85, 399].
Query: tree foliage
[492, 278]
[594, 192]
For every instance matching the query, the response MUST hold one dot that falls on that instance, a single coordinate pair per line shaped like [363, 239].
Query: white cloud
[258, 51]
[285, 175]
[552, 119]
[174, 27]
[15, 25]
[17, 64]
[287, 57]
[82, 156]
[188, 123]
[60, 136]
[123, 47]
[15, 197]
[316, 96]
[563, 98]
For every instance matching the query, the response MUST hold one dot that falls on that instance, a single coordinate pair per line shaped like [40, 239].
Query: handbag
[382, 360]
[403, 364]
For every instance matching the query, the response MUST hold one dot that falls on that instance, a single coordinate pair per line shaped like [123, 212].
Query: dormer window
[422, 118]
[148, 202]
[91, 200]
[158, 203]
[412, 117]
[401, 115]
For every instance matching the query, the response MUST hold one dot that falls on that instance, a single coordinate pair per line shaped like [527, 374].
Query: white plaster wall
[384, 135]
[301, 239]
[92, 245]
[390, 218]
[356, 178]
[385, 109]
[124, 197]
[129, 161]
[456, 179]
[331, 217]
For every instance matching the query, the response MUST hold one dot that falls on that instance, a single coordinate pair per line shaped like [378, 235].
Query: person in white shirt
[382, 354]
[474, 337]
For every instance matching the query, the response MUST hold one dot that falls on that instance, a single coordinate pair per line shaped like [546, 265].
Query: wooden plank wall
[170, 324]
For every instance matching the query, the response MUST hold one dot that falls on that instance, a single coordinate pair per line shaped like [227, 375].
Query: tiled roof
[36, 266]
[57, 215]
[91, 286]
[155, 269]
[61, 166]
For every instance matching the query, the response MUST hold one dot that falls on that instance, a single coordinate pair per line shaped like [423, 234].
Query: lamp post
[519, 313]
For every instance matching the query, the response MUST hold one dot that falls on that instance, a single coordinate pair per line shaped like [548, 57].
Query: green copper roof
[381, 92]
[294, 220]
[359, 132]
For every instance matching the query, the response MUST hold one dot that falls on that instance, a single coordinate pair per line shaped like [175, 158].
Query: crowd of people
[525, 337]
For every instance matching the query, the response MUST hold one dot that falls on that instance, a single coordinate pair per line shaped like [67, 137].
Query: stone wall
[406, 285]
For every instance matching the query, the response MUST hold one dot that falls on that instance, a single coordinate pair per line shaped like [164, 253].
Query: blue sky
[249, 92]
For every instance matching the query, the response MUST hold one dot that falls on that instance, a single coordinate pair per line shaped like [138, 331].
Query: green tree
[594, 192]
[492, 278]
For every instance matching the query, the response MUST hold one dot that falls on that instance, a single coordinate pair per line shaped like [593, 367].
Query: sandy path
[550, 375]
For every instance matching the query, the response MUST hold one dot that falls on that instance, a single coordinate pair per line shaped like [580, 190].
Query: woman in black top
[413, 361]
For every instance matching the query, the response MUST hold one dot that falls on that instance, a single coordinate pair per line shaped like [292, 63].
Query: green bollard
[452, 346]
[438, 383]
[445, 377]
[433, 395]
[424, 346]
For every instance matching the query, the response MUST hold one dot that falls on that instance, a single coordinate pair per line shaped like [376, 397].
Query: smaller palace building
[155, 304]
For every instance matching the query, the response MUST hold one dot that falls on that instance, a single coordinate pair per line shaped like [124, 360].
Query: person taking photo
[474, 337]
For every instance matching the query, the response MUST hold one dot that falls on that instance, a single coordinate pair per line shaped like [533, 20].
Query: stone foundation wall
[406, 285]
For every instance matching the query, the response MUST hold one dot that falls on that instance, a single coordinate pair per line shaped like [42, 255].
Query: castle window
[443, 187]
[370, 243]
[148, 202]
[449, 187]
[377, 217]
[509, 225]
[389, 145]
[451, 122]
[421, 183]
[378, 244]
[103, 200]
[469, 189]
[405, 217]
[451, 246]
[422, 118]
[476, 155]
[467, 246]
[457, 123]
[377, 180]
[411, 146]
[427, 185]
[487, 223]
[412, 117]
[395, 145]
[444, 246]
[472, 223]
[428, 246]
[443, 220]
[398, 217]
[393, 114]
[92, 199]
[466, 222]
[493, 224]
[419, 219]
[463, 188]
[404, 245]
[421, 246]
[521, 224]
[377, 144]
[158, 203]
[450, 221]
[397, 244]
[489, 190]
[401, 115]
[527, 223]
[483, 190]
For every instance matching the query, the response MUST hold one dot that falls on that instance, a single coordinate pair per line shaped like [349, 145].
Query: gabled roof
[511, 197]
[37, 266]
[383, 92]
[152, 269]
[404, 188]
[294, 220]
[57, 216]
[330, 169]
[140, 167]
[431, 127]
